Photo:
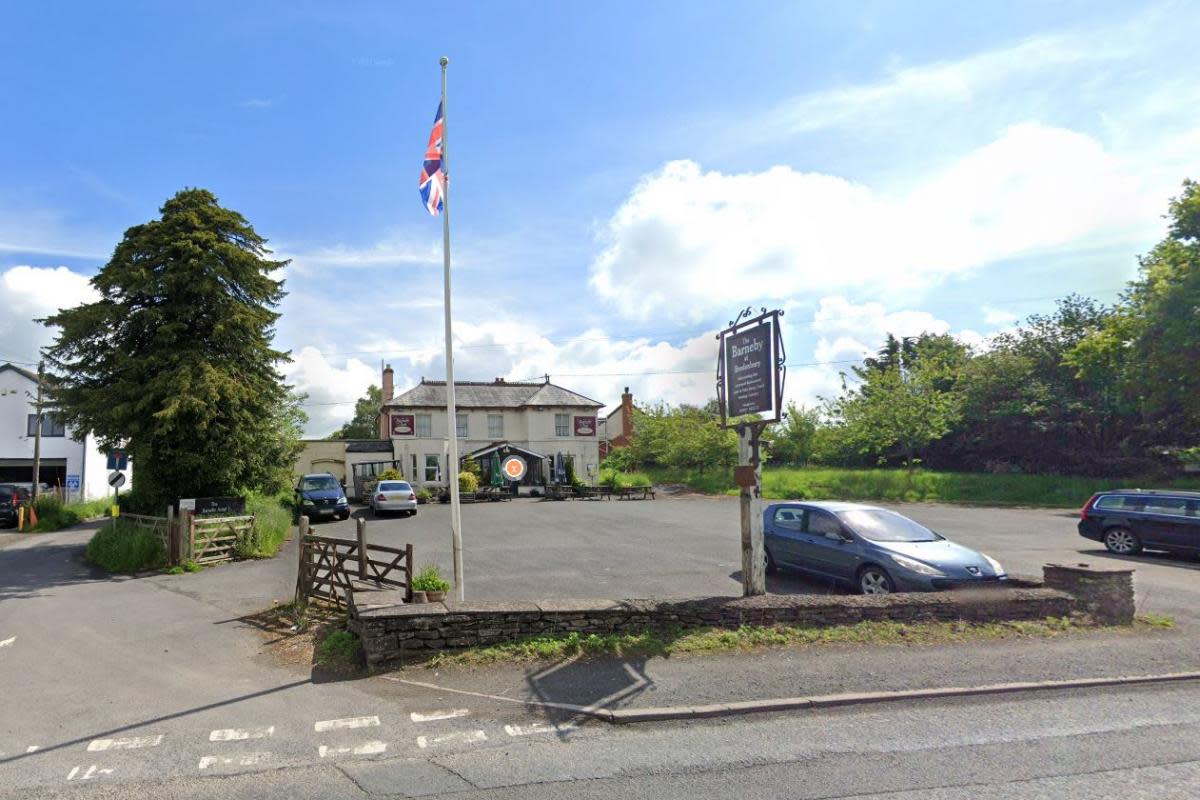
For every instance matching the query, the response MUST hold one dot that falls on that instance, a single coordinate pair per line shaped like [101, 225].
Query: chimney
[626, 414]
[389, 387]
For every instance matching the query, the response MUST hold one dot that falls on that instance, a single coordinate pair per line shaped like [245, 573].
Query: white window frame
[427, 426]
[562, 428]
[495, 426]
[437, 468]
[461, 425]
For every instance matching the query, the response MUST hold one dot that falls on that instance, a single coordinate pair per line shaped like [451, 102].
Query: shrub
[430, 579]
[624, 480]
[125, 548]
[54, 515]
[390, 474]
[467, 482]
[424, 495]
[272, 523]
[339, 649]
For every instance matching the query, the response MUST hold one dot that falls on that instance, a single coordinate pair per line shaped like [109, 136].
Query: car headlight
[306, 502]
[342, 501]
[993, 563]
[918, 567]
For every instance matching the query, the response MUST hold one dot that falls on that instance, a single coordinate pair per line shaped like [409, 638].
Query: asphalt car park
[688, 546]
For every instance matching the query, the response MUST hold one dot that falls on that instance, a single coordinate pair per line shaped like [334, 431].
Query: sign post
[116, 480]
[750, 376]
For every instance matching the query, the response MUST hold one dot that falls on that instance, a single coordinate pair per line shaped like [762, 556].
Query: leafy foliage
[365, 422]
[175, 360]
[125, 548]
[430, 579]
[467, 481]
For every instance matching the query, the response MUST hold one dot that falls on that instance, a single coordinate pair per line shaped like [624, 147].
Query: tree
[365, 423]
[175, 360]
[791, 442]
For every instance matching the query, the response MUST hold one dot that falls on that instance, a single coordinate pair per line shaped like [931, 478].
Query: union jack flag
[433, 179]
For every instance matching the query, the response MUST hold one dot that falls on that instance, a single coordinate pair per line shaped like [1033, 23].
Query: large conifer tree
[175, 360]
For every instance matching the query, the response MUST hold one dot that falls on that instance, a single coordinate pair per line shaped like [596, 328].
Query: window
[424, 426]
[413, 474]
[433, 468]
[460, 425]
[1114, 502]
[789, 519]
[495, 426]
[50, 426]
[562, 424]
[823, 524]
[1174, 506]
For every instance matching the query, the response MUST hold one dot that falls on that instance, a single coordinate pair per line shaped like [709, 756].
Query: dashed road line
[127, 743]
[94, 771]
[342, 724]
[8, 641]
[33, 748]
[432, 716]
[460, 737]
[244, 760]
[536, 728]
[239, 734]
[366, 749]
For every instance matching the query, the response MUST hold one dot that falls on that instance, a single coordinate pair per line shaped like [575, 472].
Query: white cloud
[848, 331]
[998, 317]
[31, 293]
[687, 243]
[331, 389]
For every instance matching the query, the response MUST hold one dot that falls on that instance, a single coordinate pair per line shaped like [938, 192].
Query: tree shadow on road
[30, 572]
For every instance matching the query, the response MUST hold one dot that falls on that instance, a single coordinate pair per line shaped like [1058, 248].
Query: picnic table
[635, 493]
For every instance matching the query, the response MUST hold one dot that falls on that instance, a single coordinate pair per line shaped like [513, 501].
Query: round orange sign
[513, 468]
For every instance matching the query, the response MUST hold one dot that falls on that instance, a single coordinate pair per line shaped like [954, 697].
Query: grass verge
[125, 548]
[272, 522]
[918, 486]
[54, 515]
[648, 644]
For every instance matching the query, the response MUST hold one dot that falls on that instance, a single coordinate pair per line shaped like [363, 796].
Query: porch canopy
[497, 451]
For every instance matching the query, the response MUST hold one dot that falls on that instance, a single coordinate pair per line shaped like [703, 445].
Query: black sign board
[750, 368]
[229, 506]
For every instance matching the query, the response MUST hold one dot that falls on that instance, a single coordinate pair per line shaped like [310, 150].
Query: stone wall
[1106, 595]
[394, 634]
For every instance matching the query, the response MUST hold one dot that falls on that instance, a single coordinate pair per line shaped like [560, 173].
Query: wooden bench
[635, 493]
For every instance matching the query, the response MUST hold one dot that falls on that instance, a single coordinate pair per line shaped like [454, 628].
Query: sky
[625, 176]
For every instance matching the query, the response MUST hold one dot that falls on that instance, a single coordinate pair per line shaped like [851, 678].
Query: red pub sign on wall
[585, 426]
[403, 424]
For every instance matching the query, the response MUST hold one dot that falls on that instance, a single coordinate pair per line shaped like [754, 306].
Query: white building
[543, 423]
[75, 467]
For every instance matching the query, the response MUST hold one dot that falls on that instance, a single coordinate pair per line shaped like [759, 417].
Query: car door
[1165, 523]
[785, 526]
[829, 547]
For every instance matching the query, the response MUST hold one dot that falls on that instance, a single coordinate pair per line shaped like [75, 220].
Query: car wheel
[1122, 542]
[874, 580]
[772, 567]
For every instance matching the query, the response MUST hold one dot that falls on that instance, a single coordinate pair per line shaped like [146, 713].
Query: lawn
[918, 486]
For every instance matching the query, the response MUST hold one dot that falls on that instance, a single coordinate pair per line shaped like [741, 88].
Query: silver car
[392, 496]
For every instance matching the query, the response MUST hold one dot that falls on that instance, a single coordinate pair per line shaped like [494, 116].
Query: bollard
[362, 548]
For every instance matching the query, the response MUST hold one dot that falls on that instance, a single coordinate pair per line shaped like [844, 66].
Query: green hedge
[55, 515]
[126, 548]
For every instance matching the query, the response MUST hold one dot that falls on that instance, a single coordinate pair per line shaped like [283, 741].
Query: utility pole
[37, 436]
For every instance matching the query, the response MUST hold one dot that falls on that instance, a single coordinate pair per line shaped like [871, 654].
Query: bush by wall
[126, 548]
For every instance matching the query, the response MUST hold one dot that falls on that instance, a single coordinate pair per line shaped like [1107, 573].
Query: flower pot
[419, 597]
[435, 597]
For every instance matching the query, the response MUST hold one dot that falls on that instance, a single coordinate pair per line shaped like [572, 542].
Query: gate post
[361, 530]
[301, 571]
[172, 538]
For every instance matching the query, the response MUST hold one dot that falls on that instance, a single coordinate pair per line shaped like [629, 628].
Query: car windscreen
[6, 498]
[394, 486]
[319, 484]
[879, 525]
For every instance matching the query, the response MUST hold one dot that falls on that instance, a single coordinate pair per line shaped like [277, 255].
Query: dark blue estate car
[1128, 520]
[874, 550]
[321, 496]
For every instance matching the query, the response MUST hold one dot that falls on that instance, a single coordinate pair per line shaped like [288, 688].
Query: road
[156, 686]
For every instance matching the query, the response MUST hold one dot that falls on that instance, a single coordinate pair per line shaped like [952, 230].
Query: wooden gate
[212, 540]
[328, 566]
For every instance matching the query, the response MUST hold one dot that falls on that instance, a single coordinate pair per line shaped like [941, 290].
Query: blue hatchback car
[871, 549]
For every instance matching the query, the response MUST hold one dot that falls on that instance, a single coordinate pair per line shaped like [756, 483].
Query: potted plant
[430, 581]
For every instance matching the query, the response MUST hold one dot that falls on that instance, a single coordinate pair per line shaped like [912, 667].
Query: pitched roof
[26, 373]
[494, 394]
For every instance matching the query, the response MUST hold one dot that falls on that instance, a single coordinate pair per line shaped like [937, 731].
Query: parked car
[870, 549]
[22, 491]
[392, 496]
[1130, 520]
[9, 502]
[321, 496]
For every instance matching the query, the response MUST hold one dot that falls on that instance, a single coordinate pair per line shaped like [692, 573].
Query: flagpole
[451, 409]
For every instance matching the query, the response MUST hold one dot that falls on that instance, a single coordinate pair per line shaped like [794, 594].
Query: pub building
[546, 425]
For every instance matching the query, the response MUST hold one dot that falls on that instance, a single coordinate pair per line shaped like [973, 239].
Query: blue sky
[625, 176]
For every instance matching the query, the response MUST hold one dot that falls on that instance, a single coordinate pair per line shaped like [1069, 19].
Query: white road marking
[461, 737]
[368, 749]
[94, 771]
[8, 641]
[348, 722]
[537, 727]
[33, 748]
[238, 734]
[436, 715]
[245, 760]
[127, 743]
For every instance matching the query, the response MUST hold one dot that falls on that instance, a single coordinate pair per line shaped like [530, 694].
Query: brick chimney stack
[389, 387]
[626, 415]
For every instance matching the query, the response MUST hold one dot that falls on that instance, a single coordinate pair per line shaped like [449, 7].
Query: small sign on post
[751, 367]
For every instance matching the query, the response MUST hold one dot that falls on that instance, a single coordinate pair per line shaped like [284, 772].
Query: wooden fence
[203, 540]
[329, 566]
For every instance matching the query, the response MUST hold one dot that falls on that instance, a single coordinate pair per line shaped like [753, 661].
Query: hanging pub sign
[403, 424]
[585, 426]
[513, 467]
[750, 367]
